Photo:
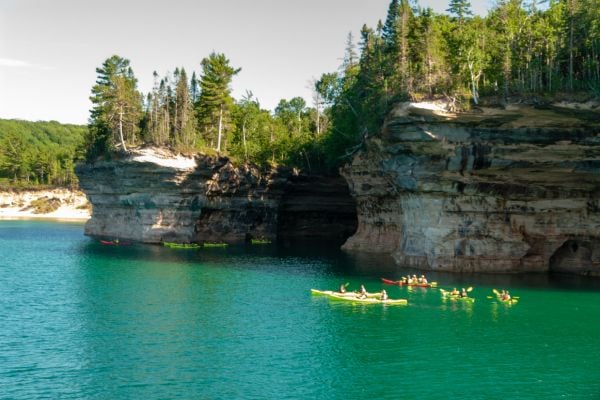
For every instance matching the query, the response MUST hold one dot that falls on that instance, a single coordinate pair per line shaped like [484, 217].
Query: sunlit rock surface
[494, 190]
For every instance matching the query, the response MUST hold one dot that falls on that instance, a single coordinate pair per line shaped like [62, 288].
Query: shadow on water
[328, 259]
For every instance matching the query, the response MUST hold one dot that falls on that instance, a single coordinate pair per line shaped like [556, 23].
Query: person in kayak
[342, 288]
[423, 279]
[362, 294]
[463, 293]
[505, 296]
[384, 295]
[454, 292]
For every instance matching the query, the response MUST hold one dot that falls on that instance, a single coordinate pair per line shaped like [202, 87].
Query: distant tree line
[44, 153]
[522, 48]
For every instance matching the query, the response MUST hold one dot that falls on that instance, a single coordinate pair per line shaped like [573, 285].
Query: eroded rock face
[153, 196]
[496, 191]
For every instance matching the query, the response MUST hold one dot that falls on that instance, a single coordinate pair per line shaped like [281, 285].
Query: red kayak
[400, 283]
[113, 243]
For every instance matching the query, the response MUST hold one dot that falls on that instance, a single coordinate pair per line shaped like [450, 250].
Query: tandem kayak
[512, 300]
[446, 295]
[173, 245]
[401, 283]
[351, 297]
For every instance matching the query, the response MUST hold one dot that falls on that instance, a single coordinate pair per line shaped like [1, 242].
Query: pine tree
[117, 107]
[215, 101]
[461, 9]
[185, 127]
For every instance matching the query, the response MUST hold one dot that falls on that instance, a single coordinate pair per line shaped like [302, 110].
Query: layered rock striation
[511, 190]
[152, 196]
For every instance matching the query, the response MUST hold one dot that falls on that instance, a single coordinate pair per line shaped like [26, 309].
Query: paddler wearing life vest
[362, 294]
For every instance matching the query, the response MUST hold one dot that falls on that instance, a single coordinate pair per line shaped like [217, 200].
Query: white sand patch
[434, 107]
[16, 205]
[163, 159]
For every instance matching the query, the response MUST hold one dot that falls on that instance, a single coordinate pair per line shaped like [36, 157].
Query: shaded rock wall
[154, 196]
[497, 191]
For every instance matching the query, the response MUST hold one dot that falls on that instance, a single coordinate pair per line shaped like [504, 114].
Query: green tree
[215, 101]
[117, 107]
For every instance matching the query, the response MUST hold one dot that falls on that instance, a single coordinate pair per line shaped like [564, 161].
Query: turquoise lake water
[79, 320]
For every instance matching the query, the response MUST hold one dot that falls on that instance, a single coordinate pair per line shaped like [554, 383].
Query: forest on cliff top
[541, 51]
[533, 49]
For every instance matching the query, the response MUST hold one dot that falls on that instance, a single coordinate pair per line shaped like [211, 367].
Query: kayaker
[463, 293]
[342, 288]
[384, 295]
[362, 289]
[423, 279]
[505, 296]
[454, 292]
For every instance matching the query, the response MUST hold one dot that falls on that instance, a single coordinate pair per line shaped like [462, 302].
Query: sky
[50, 49]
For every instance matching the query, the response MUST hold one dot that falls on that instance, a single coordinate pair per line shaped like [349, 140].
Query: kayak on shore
[402, 283]
[353, 297]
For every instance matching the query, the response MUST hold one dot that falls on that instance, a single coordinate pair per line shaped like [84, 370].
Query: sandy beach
[64, 204]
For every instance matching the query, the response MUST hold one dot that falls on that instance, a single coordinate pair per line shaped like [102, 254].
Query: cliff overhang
[494, 190]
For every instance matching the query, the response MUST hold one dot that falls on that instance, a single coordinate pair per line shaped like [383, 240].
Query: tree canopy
[535, 49]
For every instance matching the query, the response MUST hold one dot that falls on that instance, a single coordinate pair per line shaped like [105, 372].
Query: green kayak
[372, 298]
[260, 241]
[446, 295]
[173, 245]
[210, 245]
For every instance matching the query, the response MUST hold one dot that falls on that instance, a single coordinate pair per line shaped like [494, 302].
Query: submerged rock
[494, 190]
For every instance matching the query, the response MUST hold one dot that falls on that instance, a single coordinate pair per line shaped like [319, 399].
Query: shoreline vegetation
[55, 204]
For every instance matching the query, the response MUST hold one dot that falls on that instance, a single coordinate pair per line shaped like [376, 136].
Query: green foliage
[117, 108]
[215, 102]
[41, 153]
[518, 49]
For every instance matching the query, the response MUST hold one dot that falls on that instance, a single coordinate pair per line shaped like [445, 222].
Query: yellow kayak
[372, 298]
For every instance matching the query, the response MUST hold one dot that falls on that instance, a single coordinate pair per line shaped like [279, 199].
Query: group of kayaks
[184, 246]
[379, 298]
[187, 246]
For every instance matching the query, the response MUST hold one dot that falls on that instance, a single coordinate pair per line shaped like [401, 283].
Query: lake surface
[82, 320]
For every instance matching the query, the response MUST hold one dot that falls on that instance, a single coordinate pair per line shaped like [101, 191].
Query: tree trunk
[121, 128]
[244, 140]
[220, 130]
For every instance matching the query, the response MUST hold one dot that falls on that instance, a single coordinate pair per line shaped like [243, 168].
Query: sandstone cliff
[153, 196]
[509, 190]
